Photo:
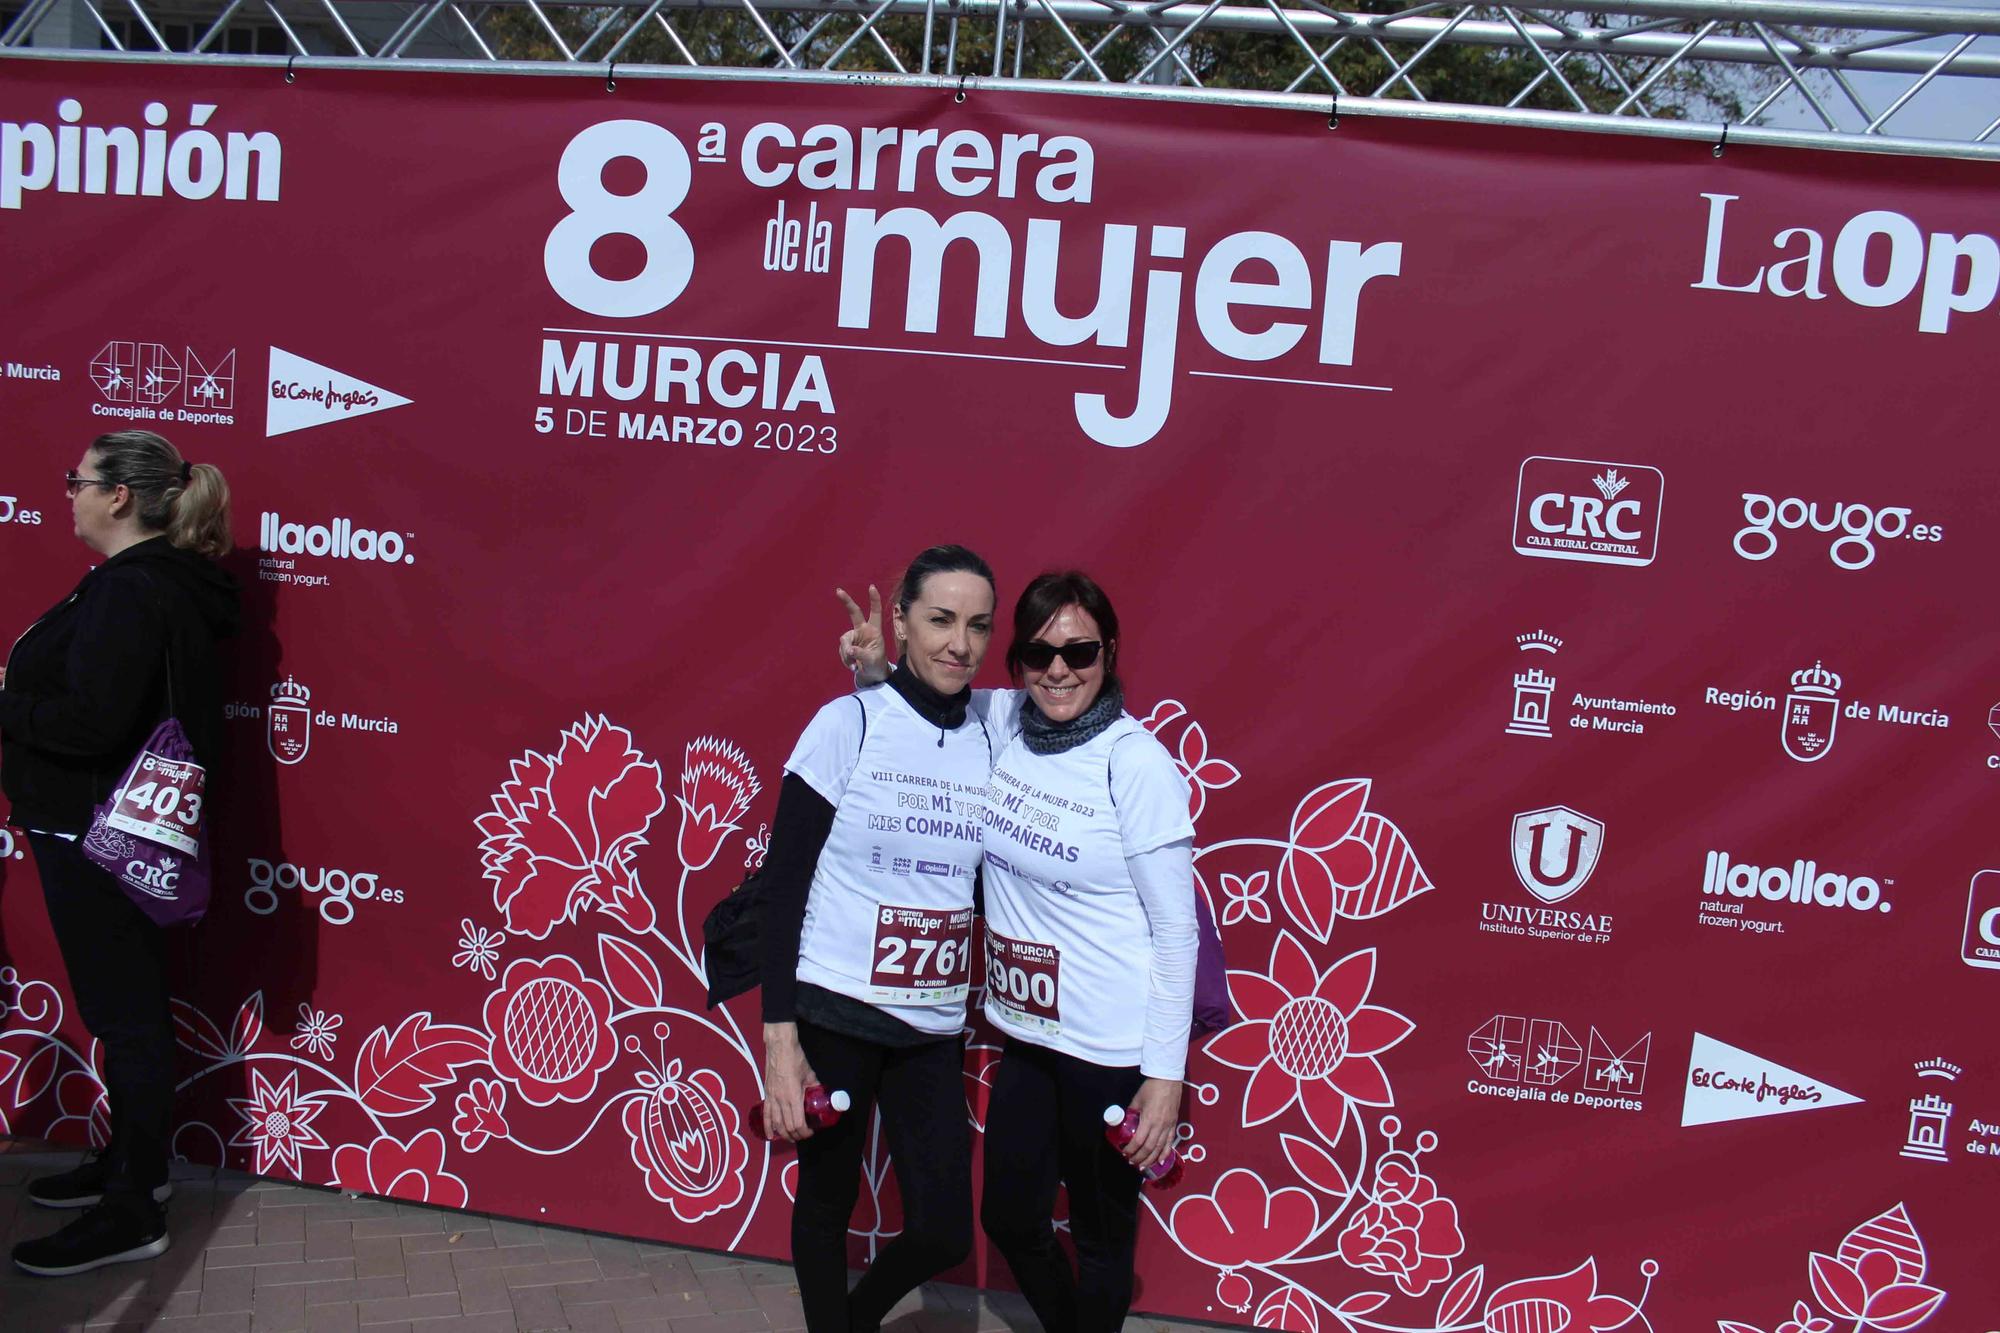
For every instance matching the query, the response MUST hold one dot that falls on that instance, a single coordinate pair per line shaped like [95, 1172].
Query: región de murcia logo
[290, 719]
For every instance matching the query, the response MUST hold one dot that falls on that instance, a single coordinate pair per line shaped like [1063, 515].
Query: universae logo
[1555, 851]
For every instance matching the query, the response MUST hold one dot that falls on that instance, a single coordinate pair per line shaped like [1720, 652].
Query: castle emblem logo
[288, 724]
[1534, 689]
[1811, 711]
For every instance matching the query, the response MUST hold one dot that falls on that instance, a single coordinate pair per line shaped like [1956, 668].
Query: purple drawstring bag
[149, 835]
[1211, 973]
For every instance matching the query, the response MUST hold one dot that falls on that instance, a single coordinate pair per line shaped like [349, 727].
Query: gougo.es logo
[338, 890]
[1857, 525]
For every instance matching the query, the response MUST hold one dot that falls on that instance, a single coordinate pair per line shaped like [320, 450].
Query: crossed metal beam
[1781, 51]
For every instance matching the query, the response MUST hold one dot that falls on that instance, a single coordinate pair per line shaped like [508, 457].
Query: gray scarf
[1045, 737]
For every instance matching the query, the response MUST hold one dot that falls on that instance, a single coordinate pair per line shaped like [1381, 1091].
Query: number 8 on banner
[645, 215]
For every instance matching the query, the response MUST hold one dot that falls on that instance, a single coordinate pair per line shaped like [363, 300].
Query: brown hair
[1050, 593]
[190, 503]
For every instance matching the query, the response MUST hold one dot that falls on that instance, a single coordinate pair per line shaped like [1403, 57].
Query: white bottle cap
[839, 1101]
[1114, 1115]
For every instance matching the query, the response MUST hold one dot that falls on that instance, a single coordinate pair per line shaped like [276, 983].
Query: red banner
[1554, 560]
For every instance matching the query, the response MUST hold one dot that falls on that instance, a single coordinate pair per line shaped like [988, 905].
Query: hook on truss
[1723, 142]
[289, 61]
[1333, 120]
[611, 78]
[959, 96]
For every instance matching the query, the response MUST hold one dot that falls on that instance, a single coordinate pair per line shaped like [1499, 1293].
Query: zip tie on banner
[1723, 142]
[611, 78]
[1333, 120]
[289, 76]
[959, 96]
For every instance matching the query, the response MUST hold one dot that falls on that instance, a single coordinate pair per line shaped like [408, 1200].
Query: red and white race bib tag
[163, 804]
[922, 956]
[1024, 977]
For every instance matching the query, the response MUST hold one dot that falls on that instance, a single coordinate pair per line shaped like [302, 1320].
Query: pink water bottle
[822, 1108]
[1120, 1125]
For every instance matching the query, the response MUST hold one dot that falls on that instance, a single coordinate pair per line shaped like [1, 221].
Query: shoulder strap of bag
[166, 637]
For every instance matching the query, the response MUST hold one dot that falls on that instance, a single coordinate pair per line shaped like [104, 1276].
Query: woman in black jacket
[83, 688]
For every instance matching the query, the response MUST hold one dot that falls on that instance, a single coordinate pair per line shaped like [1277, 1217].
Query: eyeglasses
[74, 483]
[1039, 656]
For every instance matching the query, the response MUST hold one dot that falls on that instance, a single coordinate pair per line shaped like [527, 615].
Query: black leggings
[921, 1094]
[1045, 1126]
[117, 963]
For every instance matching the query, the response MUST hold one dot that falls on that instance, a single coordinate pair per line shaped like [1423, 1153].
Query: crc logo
[1555, 851]
[11, 512]
[147, 373]
[1857, 524]
[338, 889]
[160, 881]
[1981, 946]
[645, 214]
[10, 844]
[1580, 509]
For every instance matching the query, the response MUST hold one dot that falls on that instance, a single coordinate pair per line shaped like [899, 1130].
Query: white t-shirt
[888, 918]
[1073, 937]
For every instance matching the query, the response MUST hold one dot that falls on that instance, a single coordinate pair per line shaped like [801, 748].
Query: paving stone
[454, 1241]
[408, 1309]
[269, 1257]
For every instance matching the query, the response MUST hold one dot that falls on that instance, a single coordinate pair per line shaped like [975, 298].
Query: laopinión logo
[150, 381]
[1555, 850]
[1853, 527]
[286, 544]
[337, 890]
[1527, 1059]
[1732, 890]
[190, 162]
[1583, 509]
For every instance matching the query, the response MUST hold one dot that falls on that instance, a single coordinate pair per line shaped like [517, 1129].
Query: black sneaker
[82, 1187]
[104, 1235]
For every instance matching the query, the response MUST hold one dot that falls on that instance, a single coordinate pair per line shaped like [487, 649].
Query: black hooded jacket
[87, 683]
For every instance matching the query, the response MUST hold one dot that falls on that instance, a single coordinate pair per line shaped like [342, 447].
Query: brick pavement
[252, 1256]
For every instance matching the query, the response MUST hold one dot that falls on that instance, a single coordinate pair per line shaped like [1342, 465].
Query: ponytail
[188, 502]
[200, 521]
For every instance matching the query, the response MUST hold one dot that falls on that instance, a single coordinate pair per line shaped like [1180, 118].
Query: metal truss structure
[1884, 77]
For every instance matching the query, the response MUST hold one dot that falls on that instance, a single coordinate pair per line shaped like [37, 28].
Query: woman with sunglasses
[1090, 949]
[83, 689]
[867, 930]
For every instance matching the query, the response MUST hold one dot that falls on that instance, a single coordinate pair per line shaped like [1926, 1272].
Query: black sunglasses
[1039, 656]
[74, 483]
